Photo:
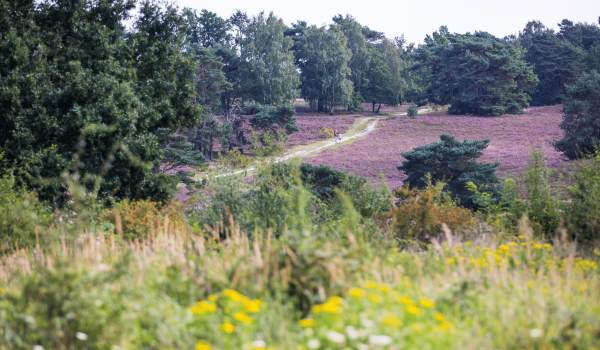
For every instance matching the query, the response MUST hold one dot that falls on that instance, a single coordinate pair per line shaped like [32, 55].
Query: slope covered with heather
[512, 137]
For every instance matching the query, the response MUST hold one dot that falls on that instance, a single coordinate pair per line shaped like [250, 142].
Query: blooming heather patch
[310, 127]
[511, 139]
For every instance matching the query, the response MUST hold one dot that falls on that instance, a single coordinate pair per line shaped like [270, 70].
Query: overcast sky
[416, 18]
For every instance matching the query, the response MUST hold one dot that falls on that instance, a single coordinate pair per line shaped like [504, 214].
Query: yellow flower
[392, 321]
[426, 302]
[383, 288]
[227, 327]
[317, 308]
[504, 247]
[357, 292]
[405, 300]
[212, 298]
[450, 261]
[523, 244]
[202, 307]
[242, 317]
[521, 236]
[417, 327]
[371, 285]
[233, 295]
[331, 308]
[411, 309]
[336, 300]
[251, 306]
[513, 244]
[202, 346]
[307, 322]
[439, 317]
[374, 298]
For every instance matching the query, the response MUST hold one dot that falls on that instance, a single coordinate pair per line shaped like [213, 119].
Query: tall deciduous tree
[74, 78]
[323, 62]
[267, 70]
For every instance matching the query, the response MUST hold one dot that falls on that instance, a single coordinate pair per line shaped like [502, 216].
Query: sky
[417, 18]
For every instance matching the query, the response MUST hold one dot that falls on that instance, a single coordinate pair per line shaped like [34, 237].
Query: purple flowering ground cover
[512, 137]
[310, 127]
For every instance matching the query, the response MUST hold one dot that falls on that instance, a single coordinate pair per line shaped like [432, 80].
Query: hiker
[340, 138]
[335, 136]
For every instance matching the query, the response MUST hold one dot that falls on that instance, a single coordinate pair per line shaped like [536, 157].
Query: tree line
[115, 106]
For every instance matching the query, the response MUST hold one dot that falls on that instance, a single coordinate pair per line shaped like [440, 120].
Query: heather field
[512, 137]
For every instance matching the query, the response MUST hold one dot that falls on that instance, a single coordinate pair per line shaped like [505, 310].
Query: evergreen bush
[452, 162]
[413, 111]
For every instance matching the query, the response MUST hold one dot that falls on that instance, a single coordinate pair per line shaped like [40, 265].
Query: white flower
[380, 339]
[352, 332]
[29, 319]
[81, 336]
[335, 337]
[362, 347]
[259, 344]
[314, 344]
[38, 347]
[536, 333]
[365, 322]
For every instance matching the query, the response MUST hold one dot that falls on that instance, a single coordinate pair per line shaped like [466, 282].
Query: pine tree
[475, 73]
[581, 120]
[452, 162]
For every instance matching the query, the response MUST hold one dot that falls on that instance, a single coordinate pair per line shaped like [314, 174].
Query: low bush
[20, 214]
[420, 213]
[138, 218]
[326, 133]
[235, 159]
[413, 111]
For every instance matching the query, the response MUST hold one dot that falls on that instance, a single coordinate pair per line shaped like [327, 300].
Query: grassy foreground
[176, 290]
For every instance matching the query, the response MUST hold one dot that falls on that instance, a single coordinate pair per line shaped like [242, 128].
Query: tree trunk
[373, 107]
[211, 148]
[320, 107]
[378, 108]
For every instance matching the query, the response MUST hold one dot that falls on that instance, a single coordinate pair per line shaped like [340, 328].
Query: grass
[176, 290]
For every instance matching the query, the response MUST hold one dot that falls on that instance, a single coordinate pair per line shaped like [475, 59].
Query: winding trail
[372, 124]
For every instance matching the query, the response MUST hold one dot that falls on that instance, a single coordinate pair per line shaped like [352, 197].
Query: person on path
[335, 136]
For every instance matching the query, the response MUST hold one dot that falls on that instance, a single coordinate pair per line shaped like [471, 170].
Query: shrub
[413, 111]
[420, 213]
[583, 210]
[355, 104]
[20, 213]
[326, 133]
[268, 143]
[453, 163]
[235, 159]
[142, 217]
[581, 121]
[542, 206]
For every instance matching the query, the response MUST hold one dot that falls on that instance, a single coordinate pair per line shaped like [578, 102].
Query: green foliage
[210, 130]
[20, 214]
[64, 74]
[323, 58]
[326, 133]
[267, 73]
[582, 212]
[475, 73]
[542, 204]
[209, 78]
[581, 120]
[556, 63]
[272, 118]
[502, 209]
[451, 162]
[355, 104]
[267, 144]
[235, 159]
[177, 152]
[413, 111]
[380, 88]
